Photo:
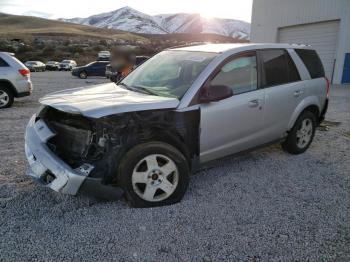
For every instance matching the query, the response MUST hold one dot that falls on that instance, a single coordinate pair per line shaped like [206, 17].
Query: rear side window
[3, 63]
[278, 68]
[312, 62]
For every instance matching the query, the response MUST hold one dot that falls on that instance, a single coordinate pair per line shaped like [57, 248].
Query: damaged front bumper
[49, 170]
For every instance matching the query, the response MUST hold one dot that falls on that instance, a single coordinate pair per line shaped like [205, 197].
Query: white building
[324, 24]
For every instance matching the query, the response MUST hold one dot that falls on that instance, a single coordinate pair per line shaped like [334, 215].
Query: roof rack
[188, 45]
[9, 53]
[298, 44]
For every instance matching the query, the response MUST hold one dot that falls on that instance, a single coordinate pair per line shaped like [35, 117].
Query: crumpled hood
[106, 99]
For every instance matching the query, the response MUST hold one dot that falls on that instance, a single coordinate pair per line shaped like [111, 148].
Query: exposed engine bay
[102, 142]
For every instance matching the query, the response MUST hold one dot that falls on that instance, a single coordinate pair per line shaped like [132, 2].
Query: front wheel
[153, 174]
[301, 135]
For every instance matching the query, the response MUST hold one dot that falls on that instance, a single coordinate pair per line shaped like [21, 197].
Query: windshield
[31, 63]
[65, 62]
[169, 73]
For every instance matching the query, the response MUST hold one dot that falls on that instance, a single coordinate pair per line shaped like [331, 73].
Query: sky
[234, 9]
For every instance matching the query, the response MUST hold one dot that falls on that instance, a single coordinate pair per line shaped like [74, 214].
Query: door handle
[254, 103]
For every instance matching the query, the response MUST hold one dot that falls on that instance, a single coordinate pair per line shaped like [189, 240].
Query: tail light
[328, 86]
[24, 72]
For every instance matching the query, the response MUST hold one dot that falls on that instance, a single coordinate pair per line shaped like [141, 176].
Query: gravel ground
[260, 206]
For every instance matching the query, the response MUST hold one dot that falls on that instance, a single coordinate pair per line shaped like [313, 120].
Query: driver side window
[240, 74]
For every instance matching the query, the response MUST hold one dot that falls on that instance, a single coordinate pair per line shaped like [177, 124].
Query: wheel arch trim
[311, 101]
[10, 85]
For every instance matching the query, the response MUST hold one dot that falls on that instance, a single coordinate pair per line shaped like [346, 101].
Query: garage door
[322, 36]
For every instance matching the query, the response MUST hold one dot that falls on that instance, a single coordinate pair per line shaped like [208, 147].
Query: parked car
[97, 68]
[139, 60]
[14, 79]
[114, 72]
[180, 109]
[104, 54]
[52, 66]
[35, 66]
[67, 65]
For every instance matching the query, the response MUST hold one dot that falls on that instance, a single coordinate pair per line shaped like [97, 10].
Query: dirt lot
[260, 206]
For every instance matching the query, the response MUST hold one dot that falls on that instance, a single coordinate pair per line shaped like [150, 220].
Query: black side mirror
[215, 93]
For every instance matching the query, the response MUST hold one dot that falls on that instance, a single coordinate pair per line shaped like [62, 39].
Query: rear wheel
[6, 97]
[301, 135]
[153, 174]
[83, 75]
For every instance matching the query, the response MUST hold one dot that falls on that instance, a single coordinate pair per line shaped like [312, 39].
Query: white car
[104, 54]
[35, 66]
[14, 79]
[67, 65]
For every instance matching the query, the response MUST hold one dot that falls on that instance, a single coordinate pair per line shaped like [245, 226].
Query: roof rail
[9, 53]
[299, 44]
[188, 45]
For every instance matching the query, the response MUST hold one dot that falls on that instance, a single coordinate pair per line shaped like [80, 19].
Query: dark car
[140, 60]
[97, 68]
[52, 66]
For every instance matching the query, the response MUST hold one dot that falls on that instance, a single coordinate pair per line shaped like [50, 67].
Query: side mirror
[215, 93]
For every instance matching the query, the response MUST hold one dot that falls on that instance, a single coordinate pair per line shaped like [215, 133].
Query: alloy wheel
[155, 178]
[4, 98]
[304, 133]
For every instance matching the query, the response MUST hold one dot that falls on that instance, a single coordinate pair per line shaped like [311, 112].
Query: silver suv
[14, 79]
[182, 108]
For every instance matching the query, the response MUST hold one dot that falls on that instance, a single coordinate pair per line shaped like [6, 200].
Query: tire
[301, 135]
[82, 75]
[134, 167]
[6, 97]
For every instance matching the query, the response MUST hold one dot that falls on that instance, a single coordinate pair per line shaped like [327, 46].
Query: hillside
[14, 26]
[33, 38]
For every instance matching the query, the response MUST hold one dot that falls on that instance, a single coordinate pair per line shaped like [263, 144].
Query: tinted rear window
[279, 68]
[312, 62]
[3, 63]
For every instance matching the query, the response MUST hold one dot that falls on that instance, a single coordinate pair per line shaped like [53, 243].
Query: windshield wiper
[124, 85]
[144, 90]
[139, 89]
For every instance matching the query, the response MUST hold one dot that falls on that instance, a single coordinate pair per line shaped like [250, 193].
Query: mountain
[129, 19]
[22, 27]
[126, 19]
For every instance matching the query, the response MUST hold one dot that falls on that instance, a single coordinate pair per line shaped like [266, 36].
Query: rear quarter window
[278, 67]
[3, 63]
[312, 62]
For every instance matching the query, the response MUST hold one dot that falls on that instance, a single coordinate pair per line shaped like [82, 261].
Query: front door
[233, 124]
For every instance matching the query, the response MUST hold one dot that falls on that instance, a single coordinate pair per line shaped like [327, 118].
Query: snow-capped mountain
[129, 19]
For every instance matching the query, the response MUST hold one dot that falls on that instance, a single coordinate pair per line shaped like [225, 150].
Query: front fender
[306, 102]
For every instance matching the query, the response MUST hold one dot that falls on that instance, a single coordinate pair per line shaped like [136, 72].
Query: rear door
[233, 124]
[283, 91]
[100, 69]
